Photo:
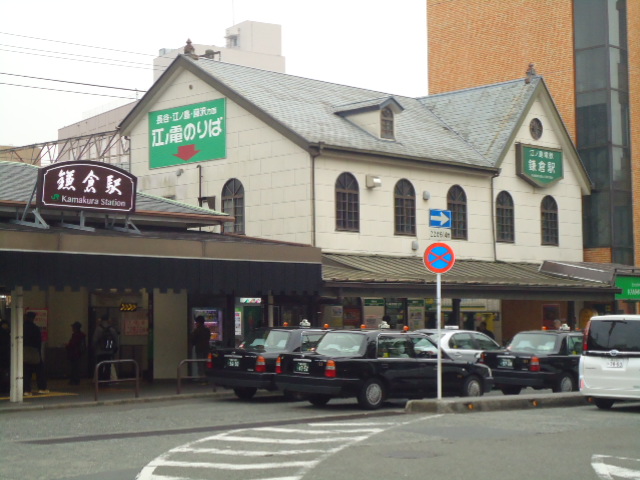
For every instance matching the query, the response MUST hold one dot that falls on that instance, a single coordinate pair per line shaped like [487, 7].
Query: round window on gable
[535, 128]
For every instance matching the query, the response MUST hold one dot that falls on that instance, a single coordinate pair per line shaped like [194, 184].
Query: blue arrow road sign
[440, 218]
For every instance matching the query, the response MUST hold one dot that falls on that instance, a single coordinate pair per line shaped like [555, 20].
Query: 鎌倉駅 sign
[187, 134]
[85, 185]
[541, 167]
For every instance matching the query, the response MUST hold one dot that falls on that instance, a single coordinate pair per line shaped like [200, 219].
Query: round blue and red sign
[439, 257]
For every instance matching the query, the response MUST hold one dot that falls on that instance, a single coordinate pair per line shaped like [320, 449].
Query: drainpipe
[493, 217]
[320, 148]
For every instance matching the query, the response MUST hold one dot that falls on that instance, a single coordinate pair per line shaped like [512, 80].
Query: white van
[610, 361]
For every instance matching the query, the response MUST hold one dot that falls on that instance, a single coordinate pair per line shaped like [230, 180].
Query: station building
[365, 175]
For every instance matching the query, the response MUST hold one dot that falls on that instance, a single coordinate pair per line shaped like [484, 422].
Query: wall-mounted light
[426, 195]
[179, 172]
[415, 245]
[373, 181]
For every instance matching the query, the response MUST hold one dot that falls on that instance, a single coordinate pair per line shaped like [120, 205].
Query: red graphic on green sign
[191, 133]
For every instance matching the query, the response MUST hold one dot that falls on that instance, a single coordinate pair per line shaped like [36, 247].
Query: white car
[610, 362]
[465, 345]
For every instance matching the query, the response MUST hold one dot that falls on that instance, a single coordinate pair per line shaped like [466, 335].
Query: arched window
[233, 204]
[549, 221]
[404, 202]
[386, 124]
[505, 228]
[347, 203]
[457, 203]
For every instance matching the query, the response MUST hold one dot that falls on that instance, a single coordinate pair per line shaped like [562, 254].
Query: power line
[75, 44]
[67, 91]
[79, 59]
[40, 51]
[75, 83]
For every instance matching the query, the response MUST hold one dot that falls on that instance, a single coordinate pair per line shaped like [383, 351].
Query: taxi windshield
[264, 340]
[342, 344]
[533, 342]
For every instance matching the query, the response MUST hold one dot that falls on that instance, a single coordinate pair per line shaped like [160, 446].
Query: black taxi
[251, 365]
[373, 365]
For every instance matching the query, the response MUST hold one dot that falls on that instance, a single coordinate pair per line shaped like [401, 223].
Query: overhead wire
[82, 58]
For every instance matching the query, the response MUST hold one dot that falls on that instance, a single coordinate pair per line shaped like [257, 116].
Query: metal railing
[97, 381]
[189, 377]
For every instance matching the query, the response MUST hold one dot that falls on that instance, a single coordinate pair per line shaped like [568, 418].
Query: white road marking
[606, 471]
[238, 443]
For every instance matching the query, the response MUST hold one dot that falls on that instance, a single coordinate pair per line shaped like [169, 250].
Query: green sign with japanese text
[541, 167]
[374, 302]
[630, 288]
[187, 134]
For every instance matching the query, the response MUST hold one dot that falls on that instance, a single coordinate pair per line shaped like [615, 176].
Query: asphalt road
[269, 438]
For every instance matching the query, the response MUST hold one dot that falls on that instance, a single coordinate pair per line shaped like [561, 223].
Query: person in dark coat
[75, 349]
[33, 340]
[200, 337]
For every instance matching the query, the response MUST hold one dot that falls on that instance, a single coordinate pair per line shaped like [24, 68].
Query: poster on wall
[136, 323]
[415, 311]
[41, 320]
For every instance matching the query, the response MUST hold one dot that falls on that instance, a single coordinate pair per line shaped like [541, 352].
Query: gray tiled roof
[470, 127]
[345, 268]
[485, 116]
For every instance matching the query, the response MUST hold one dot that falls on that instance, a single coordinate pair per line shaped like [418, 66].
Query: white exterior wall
[527, 199]
[275, 173]
[376, 235]
[170, 333]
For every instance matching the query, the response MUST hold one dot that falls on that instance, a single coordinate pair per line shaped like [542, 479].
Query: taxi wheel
[319, 400]
[472, 387]
[245, 393]
[564, 384]
[372, 394]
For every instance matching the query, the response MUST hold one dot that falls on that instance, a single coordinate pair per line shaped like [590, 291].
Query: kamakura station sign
[84, 185]
[541, 167]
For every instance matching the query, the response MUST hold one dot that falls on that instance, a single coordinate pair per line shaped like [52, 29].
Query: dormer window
[386, 124]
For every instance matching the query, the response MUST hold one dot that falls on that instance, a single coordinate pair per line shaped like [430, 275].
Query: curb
[118, 401]
[497, 403]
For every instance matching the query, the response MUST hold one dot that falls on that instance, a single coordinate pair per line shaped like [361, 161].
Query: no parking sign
[439, 257]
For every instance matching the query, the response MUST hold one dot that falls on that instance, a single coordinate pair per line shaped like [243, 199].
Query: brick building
[589, 55]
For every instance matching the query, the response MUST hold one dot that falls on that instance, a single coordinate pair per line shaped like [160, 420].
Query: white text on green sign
[540, 166]
[191, 133]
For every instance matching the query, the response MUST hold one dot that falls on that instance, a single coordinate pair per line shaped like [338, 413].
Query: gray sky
[371, 44]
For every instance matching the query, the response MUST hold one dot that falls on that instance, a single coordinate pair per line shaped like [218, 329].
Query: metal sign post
[439, 258]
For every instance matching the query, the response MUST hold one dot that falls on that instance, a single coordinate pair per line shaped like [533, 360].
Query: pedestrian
[482, 328]
[33, 363]
[75, 350]
[105, 344]
[200, 337]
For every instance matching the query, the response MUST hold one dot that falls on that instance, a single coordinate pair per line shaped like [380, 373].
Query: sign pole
[438, 313]
[439, 258]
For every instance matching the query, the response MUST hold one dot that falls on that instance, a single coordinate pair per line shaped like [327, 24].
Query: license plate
[233, 362]
[614, 364]
[301, 367]
[505, 363]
